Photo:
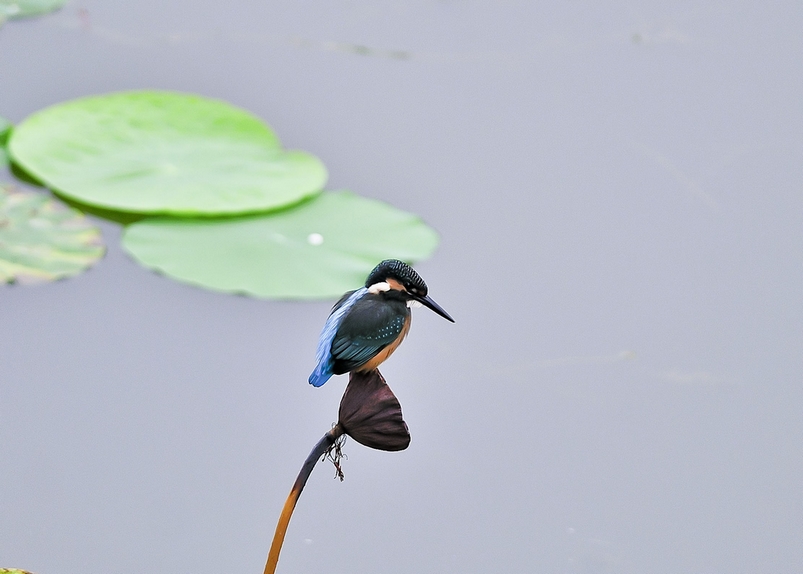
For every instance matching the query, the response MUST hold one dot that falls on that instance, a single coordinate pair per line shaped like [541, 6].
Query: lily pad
[41, 239]
[316, 250]
[163, 152]
[25, 8]
[5, 130]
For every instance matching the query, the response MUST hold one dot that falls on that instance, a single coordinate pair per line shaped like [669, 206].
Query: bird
[366, 325]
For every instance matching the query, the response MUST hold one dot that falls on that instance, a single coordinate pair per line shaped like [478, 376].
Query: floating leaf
[163, 152]
[5, 130]
[312, 251]
[25, 8]
[41, 239]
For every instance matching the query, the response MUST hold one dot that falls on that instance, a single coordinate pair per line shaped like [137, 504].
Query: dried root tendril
[335, 454]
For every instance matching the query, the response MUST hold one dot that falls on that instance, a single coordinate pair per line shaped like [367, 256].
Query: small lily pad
[24, 8]
[41, 239]
[5, 130]
[163, 152]
[316, 250]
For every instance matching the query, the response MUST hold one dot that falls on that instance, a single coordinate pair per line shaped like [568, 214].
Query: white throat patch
[413, 304]
[379, 287]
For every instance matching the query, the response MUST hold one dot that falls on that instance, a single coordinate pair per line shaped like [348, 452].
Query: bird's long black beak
[426, 301]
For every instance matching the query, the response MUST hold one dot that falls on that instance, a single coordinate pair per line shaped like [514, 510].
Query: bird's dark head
[392, 274]
[398, 275]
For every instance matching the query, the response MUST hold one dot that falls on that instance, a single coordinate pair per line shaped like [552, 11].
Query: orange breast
[380, 357]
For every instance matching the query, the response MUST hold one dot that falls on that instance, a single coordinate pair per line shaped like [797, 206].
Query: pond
[617, 194]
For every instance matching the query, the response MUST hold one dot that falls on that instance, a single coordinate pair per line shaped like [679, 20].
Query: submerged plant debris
[41, 239]
[24, 8]
[163, 152]
[316, 250]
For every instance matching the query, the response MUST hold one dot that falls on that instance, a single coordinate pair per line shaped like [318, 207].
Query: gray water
[618, 191]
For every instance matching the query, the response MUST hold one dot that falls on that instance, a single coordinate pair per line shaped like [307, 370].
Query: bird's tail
[320, 375]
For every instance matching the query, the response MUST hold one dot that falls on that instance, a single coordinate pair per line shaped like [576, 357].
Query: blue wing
[365, 330]
[324, 369]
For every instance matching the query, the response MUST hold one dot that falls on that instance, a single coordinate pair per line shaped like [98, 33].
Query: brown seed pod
[371, 414]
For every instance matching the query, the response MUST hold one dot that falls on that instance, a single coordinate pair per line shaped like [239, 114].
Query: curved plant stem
[290, 504]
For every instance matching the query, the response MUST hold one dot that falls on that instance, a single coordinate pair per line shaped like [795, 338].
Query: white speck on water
[314, 238]
[570, 530]
[308, 541]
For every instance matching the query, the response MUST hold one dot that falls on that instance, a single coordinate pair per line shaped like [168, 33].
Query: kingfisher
[366, 325]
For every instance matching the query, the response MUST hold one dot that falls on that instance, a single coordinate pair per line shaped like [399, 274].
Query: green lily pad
[41, 239]
[25, 8]
[316, 250]
[163, 152]
[5, 130]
